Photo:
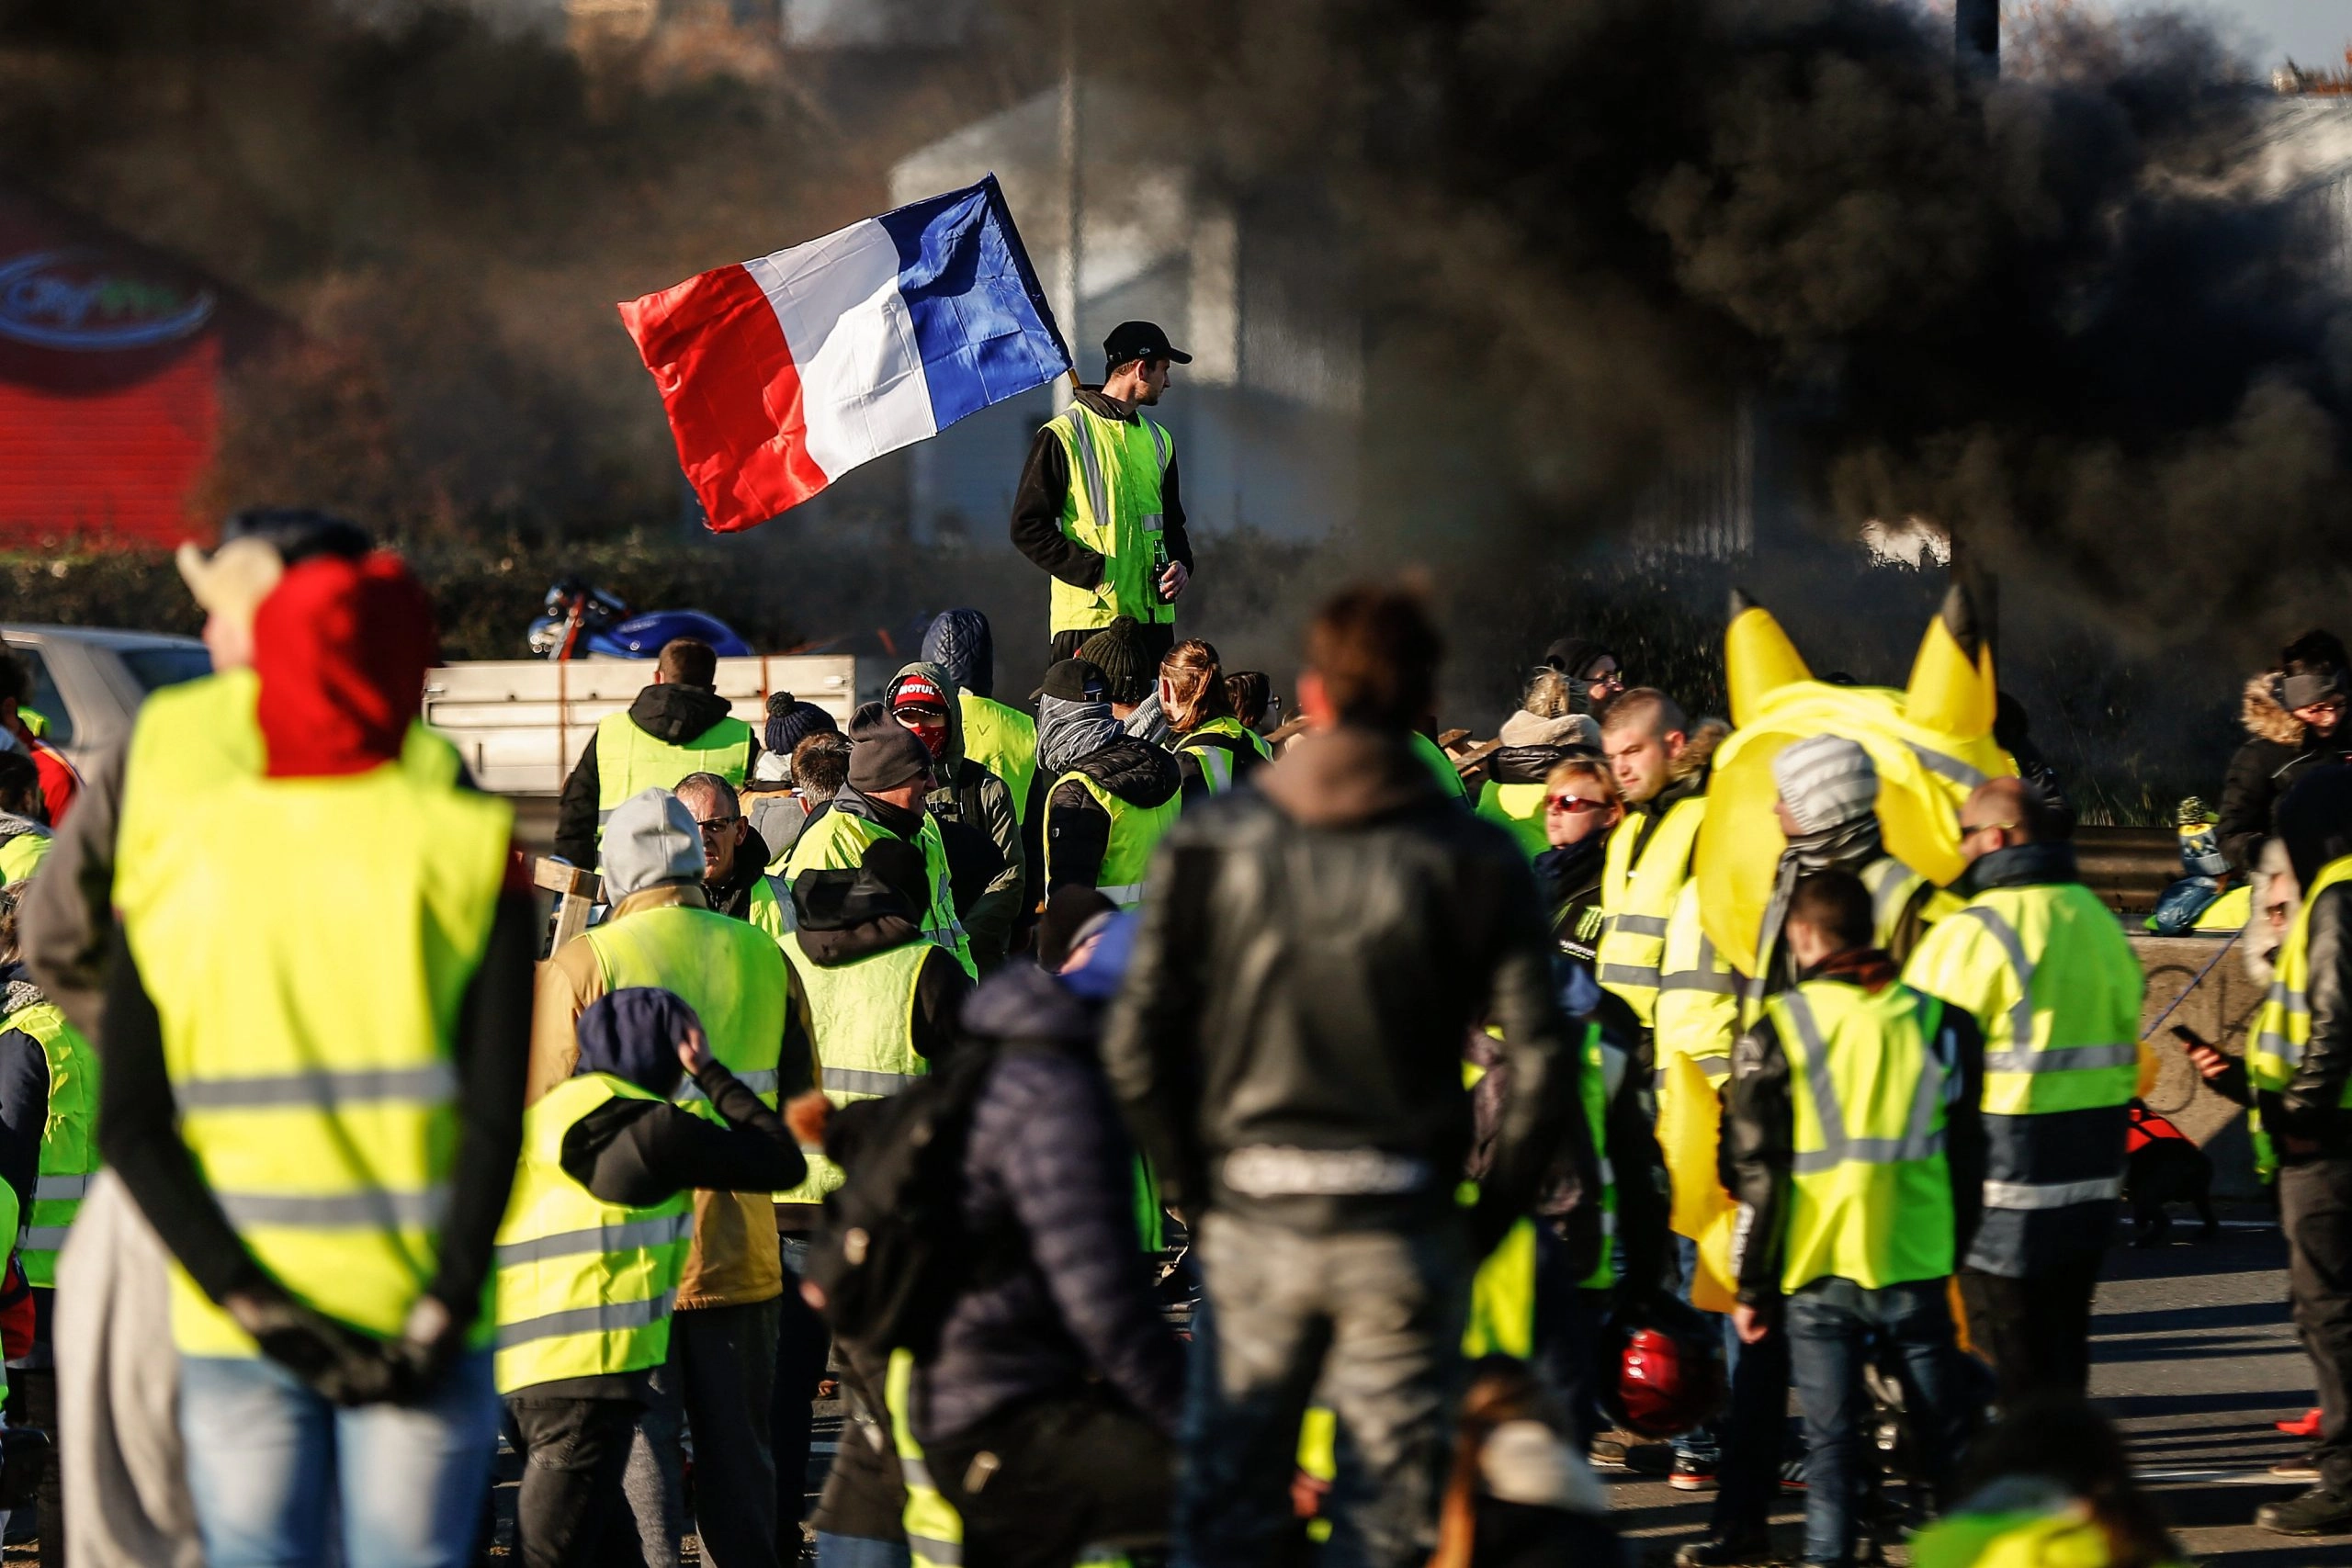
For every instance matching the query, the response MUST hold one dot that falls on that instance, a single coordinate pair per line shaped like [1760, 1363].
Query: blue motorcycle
[582, 621]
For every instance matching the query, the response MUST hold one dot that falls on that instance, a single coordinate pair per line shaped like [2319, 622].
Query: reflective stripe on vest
[584, 1287]
[311, 1053]
[1870, 1199]
[934, 1530]
[2021, 1050]
[2282, 1028]
[730, 973]
[1112, 507]
[1637, 897]
[1215, 745]
[772, 909]
[862, 1030]
[629, 761]
[838, 840]
[1136, 830]
[69, 1145]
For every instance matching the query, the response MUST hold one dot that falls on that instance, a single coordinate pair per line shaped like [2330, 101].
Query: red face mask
[932, 736]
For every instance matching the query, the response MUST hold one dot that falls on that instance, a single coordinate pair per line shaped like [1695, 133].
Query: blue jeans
[273, 1468]
[1833, 1326]
[857, 1551]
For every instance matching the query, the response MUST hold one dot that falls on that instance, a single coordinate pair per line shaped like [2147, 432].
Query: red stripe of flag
[727, 377]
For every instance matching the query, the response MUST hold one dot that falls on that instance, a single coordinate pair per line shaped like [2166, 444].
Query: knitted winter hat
[791, 721]
[1127, 666]
[1827, 781]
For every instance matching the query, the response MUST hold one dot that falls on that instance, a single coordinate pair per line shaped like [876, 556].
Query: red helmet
[1668, 1379]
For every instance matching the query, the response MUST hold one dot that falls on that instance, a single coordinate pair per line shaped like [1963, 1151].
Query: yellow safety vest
[629, 761]
[862, 1025]
[1113, 509]
[838, 840]
[2282, 1029]
[1215, 742]
[21, 856]
[310, 1047]
[1441, 766]
[1519, 810]
[2048, 976]
[69, 1144]
[1870, 1197]
[772, 909]
[585, 1287]
[2065, 1536]
[1637, 899]
[729, 972]
[1003, 740]
[1136, 830]
[934, 1530]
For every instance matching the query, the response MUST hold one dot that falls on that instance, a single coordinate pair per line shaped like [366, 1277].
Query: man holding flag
[1097, 505]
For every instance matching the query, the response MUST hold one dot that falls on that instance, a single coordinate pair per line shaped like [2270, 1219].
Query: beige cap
[234, 579]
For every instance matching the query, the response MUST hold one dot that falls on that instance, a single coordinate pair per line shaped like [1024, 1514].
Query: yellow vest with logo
[1135, 831]
[1637, 899]
[310, 1051]
[729, 972]
[21, 855]
[1870, 1198]
[838, 840]
[1003, 740]
[68, 1142]
[1212, 743]
[2282, 1028]
[629, 761]
[862, 1026]
[1113, 509]
[585, 1287]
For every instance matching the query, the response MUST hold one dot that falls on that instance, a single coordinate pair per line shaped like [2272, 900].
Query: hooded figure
[1112, 796]
[1001, 738]
[924, 698]
[2280, 748]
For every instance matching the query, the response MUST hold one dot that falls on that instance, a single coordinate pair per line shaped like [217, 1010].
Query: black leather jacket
[1312, 956]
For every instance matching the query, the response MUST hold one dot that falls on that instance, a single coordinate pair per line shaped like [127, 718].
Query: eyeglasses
[1575, 804]
[1968, 832]
[717, 828]
[1607, 678]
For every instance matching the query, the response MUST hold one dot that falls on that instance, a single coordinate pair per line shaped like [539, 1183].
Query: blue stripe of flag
[981, 322]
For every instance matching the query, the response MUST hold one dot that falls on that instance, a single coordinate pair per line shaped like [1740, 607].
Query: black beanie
[883, 759]
[1129, 668]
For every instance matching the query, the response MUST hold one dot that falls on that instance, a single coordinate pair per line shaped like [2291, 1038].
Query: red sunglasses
[1575, 804]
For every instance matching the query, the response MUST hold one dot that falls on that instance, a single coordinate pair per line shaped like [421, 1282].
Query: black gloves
[342, 1364]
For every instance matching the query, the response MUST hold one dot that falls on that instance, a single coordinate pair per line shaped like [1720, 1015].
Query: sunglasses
[1966, 831]
[718, 827]
[1575, 804]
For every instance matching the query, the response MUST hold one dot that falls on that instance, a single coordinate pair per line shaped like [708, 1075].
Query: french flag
[781, 374]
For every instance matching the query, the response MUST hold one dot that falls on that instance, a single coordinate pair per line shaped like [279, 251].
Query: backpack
[893, 1253]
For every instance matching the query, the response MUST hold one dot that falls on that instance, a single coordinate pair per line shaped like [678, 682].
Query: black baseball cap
[1140, 340]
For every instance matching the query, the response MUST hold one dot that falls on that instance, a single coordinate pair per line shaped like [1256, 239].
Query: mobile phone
[2190, 1038]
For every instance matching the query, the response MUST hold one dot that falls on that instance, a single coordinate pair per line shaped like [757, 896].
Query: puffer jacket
[960, 642]
[1083, 739]
[1047, 1161]
[2279, 749]
[975, 797]
[1289, 1041]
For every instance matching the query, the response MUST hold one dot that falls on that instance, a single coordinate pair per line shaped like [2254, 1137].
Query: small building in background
[111, 355]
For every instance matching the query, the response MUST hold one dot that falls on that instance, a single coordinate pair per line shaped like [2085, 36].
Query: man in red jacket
[59, 781]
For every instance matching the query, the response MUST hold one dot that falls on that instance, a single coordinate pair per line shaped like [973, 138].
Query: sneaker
[1793, 1474]
[1610, 1447]
[2320, 1511]
[2303, 1467]
[1691, 1474]
[1722, 1551]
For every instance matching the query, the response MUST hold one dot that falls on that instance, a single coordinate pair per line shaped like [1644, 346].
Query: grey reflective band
[859, 1081]
[763, 1081]
[1158, 442]
[1889, 888]
[2020, 1011]
[2051, 1194]
[1714, 1067]
[926, 1549]
[44, 1238]
[606, 1317]
[1713, 982]
[1643, 975]
[318, 1088]
[1090, 464]
[1921, 1138]
[2062, 1059]
[1639, 925]
[628, 1236]
[603, 817]
[1125, 893]
[783, 891]
[1950, 767]
[59, 1188]
[376, 1209]
[913, 1471]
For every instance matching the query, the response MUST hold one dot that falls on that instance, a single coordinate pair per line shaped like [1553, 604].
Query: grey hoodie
[969, 792]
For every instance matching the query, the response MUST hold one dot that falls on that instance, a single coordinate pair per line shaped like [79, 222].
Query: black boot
[1725, 1552]
[2323, 1510]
